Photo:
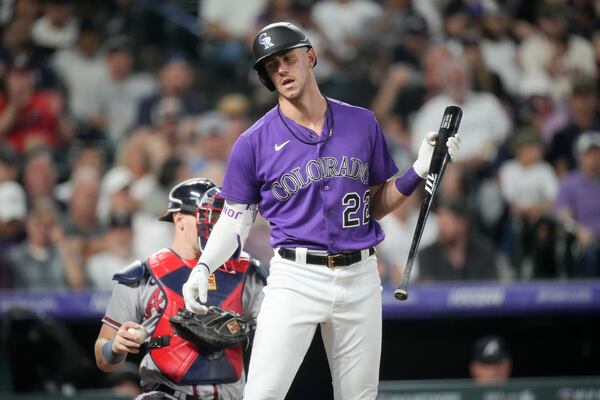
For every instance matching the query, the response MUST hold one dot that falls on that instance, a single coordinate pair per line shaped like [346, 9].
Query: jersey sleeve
[123, 306]
[240, 184]
[382, 165]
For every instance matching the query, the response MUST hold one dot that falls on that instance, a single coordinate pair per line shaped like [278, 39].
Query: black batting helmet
[185, 197]
[272, 39]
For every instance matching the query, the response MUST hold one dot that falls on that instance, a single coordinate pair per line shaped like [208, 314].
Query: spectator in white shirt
[485, 124]
[80, 67]
[57, 28]
[114, 101]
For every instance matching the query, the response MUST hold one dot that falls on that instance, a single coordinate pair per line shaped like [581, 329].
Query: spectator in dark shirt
[457, 255]
[583, 116]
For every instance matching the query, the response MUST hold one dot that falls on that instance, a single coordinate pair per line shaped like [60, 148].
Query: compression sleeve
[229, 234]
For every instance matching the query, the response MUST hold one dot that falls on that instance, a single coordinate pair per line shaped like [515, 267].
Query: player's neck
[308, 110]
[185, 250]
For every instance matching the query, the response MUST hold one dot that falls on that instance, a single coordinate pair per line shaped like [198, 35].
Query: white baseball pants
[346, 301]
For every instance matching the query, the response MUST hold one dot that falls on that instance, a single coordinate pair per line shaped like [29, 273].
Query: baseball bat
[439, 159]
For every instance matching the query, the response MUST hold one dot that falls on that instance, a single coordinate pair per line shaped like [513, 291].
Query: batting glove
[421, 165]
[195, 290]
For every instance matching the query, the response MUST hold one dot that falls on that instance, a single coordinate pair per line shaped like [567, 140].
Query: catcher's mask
[209, 211]
[272, 39]
[185, 197]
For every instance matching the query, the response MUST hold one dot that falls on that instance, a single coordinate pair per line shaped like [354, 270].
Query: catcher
[190, 356]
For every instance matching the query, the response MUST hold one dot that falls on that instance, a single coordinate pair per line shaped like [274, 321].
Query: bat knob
[401, 294]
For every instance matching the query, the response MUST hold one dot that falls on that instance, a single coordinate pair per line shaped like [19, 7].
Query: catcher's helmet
[209, 211]
[272, 39]
[185, 197]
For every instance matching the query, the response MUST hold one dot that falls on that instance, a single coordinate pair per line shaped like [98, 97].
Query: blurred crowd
[105, 105]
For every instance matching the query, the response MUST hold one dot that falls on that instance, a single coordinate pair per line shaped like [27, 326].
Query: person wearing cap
[529, 185]
[578, 207]
[148, 292]
[457, 254]
[491, 362]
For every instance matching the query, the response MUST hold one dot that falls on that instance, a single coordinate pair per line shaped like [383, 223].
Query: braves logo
[156, 302]
[430, 183]
[265, 40]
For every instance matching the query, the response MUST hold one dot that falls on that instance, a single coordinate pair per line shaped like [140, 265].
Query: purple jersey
[313, 190]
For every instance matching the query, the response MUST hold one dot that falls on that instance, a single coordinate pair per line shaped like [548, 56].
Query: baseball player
[148, 293]
[320, 172]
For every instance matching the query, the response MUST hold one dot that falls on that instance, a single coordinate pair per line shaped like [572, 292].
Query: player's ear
[312, 57]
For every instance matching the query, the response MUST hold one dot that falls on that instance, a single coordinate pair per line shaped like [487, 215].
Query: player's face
[290, 71]
[185, 224]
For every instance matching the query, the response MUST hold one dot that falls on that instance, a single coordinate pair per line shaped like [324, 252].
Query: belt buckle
[331, 260]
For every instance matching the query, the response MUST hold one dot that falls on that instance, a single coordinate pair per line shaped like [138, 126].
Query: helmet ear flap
[264, 78]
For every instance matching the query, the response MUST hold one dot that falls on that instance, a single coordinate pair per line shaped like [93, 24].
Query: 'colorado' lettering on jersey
[313, 189]
[316, 170]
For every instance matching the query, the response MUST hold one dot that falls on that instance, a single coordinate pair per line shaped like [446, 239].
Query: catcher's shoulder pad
[132, 274]
[258, 268]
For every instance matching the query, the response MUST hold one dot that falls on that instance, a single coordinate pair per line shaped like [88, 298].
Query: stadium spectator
[491, 362]
[27, 10]
[82, 154]
[115, 101]
[119, 251]
[210, 142]
[529, 186]
[175, 80]
[81, 226]
[578, 207]
[352, 26]
[498, 48]
[80, 67]
[399, 226]
[40, 177]
[554, 53]
[46, 259]
[226, 25]
[583, 116]
[28, 117]
[484, 79]
[9, 165]
[12, 232]
[485, 124]
[457, 254]
[58, 27]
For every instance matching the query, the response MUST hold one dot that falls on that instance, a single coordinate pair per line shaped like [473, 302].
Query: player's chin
[289, 93]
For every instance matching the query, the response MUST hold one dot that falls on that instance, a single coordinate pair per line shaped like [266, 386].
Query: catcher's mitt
[217, 329]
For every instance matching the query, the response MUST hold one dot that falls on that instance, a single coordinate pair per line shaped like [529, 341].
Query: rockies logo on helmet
[265, 40]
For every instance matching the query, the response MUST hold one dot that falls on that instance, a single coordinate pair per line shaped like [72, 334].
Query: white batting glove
[421, 165]
[196, 288]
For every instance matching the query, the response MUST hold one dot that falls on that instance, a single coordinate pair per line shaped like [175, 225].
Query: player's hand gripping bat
[439, 159]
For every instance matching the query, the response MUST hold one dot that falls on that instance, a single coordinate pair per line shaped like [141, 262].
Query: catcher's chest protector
[178, 359]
